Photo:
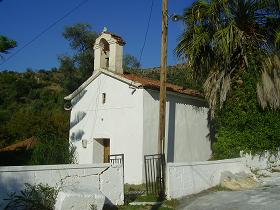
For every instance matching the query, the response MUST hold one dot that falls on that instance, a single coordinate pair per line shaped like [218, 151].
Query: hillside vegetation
[232, 54]
[31, 105]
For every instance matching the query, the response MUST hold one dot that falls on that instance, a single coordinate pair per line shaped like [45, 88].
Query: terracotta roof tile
[155, 84]
[28, 143]
[118, 38]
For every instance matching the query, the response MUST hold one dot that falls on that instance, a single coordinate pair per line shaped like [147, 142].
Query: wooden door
[106, 144]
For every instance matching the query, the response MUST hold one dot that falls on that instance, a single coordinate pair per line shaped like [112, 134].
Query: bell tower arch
[108, 52]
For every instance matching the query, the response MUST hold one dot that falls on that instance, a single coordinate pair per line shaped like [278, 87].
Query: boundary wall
[189, 178]
[106, 178]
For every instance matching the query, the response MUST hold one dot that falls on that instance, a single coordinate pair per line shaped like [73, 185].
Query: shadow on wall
[77, 135]
[171, 132]
[78, 118]
[78, 97]
[108, 205]
[8, 185]
[197, 105]
[180, 99]
[212, 129]
[80, 115]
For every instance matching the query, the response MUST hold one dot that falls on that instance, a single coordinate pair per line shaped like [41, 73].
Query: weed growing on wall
[33, 198]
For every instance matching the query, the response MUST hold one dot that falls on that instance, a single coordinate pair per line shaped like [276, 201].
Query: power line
[45, 30]
[147, 30]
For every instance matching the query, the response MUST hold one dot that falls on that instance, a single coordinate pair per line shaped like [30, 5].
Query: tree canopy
[31, 103]
[232, 47]
[81, 39]
[222, 37]
[6, 44]
[130, 62]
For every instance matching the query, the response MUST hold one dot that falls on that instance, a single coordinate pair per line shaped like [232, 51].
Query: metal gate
[155, 174]
[117, 159]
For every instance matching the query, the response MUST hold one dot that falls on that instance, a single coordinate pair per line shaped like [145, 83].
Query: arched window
[105, 53]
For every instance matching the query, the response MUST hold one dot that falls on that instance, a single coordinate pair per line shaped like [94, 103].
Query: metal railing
[117, 159]
[155, 174]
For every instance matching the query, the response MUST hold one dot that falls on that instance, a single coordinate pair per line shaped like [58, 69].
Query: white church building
[114, 112]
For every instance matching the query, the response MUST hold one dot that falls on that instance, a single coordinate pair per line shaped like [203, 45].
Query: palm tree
[222, 37]
[268, 89]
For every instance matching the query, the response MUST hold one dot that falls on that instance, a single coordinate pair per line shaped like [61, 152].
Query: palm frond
[268, 89]
[220, 40]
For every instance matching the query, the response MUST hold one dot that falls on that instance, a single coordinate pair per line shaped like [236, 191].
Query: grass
[130, 207]
[149, 198]
[136, 193]
[132, 192]
[133, 187]
[217, 189]
[165, 205]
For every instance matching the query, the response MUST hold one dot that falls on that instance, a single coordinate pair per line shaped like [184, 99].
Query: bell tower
[108, 52]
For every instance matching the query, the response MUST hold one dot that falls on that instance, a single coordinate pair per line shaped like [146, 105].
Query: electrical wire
[147, 30]
[45, 30]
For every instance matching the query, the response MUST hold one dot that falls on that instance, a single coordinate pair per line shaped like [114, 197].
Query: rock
[276, 169]
[79, 198]
[263, 173]
[238, 181]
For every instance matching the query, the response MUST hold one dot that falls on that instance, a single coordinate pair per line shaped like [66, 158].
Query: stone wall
[103, 177]
[189, 178]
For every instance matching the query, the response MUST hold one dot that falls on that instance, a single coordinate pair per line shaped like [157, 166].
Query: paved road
[266, 197]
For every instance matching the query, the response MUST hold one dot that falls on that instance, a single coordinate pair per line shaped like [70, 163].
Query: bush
[243, 126]
[52, 150]
[33, 198]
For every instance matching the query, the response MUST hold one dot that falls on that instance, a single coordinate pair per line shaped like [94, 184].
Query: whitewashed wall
[264, 161]
[120, 119]
[129, 118]
[108, 179]
[187, 132]
[189, 178]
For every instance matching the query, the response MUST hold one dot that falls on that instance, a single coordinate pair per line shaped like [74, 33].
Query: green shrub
[52, 150]
[243, 126]
[33, 198]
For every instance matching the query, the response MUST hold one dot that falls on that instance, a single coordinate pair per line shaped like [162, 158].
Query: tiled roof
[118, 38]
[28, 143]
[137, 81]
[155, 84]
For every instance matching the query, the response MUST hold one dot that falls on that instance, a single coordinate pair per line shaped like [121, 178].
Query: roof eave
[95, 75]
[120, 78]
[83, 86]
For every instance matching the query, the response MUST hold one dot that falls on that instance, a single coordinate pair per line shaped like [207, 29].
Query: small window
[103, 98]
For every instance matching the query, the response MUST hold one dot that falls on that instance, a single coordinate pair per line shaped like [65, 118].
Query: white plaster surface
[190, 178]
[104, 177]
[119, 119]
[79, 199]
[187, 133]
[115, 54]
[265, 161]
[129, 118]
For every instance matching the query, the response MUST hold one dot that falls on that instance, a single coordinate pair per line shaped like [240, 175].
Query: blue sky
[22, 20]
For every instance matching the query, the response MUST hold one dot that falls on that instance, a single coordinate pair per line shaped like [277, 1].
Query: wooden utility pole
[163, 72]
